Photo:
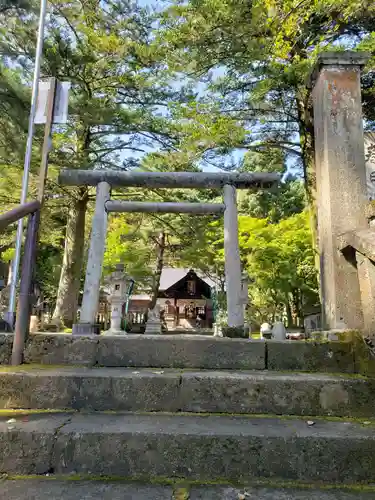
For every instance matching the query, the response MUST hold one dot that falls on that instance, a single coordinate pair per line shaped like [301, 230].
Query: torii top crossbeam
[197, 180]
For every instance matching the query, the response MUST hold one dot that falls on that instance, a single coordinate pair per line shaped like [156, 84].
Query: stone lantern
[245, 289]
[117, 297]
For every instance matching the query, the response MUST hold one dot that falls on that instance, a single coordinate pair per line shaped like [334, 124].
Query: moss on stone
[364, 359]
[24, 412]
[341, 375]
[183, 485]
[35, 366]
[235, 332]
[181, 493]
[254, 416]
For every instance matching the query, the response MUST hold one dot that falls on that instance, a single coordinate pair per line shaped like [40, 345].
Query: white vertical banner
[60, 114]
[41, 106]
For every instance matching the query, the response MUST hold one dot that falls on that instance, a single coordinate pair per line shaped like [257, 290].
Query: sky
[236, 156]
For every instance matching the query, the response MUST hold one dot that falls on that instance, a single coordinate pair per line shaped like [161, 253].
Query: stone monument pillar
[340, 181]
[117, 297]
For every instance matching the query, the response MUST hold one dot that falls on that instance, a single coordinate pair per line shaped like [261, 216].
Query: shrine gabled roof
[171, 275]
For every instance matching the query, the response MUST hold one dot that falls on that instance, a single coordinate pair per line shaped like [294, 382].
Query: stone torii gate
[105, 179]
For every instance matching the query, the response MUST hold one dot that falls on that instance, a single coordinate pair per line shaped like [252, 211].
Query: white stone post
[90, 299]
[232, 259]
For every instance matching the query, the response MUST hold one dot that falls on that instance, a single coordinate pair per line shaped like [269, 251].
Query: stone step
[198, 448]
[171, 390]
[184, 351]
[52, 489]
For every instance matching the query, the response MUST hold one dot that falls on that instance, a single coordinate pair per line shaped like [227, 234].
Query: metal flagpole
[26, 167]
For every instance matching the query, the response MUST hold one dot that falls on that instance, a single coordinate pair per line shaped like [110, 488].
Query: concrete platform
[230, 493]
[172, 390]
[81, 490]
[191, 447]
[169, 351]
[185, 351]
[181, 351]
[311, 356]
[34, 489]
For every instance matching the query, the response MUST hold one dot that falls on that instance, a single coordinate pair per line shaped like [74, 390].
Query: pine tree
[118, 93]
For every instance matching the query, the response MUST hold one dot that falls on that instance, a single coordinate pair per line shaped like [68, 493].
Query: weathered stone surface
[364, 358]
[148, 391]
[362, 240]
[121, 389]
[233, 284]
[59, 349]
[26, 445]
[310, 356]
[91, 290]
[274, 393]
[196, 448]
[370, 207]
[210, 447]
[176, 351]
[341, 191]
[47, 489]
[199, 180]
[34, 489]
[6, 343]
[366, 277]
[185, 351]
[235, 332]
[90, 389]
[229, 493]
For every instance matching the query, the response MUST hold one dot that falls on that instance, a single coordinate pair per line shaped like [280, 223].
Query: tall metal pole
[28, 153]
[21, 329]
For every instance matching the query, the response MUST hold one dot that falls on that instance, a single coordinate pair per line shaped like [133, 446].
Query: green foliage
[285, 199]
[7, 5]
[129, 244]
[280, 262]
[214, 76]
[48, 270]
[120, 91]
[254, 59]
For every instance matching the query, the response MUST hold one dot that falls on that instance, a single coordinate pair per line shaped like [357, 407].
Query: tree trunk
[297, 307]
[306, 131]
[289, 312]
[160, 248]
[70, 277]
[307, 138]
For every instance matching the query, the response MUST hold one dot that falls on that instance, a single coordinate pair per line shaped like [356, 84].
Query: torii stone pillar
[91, 289]
[233, 275]
[341, 182]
